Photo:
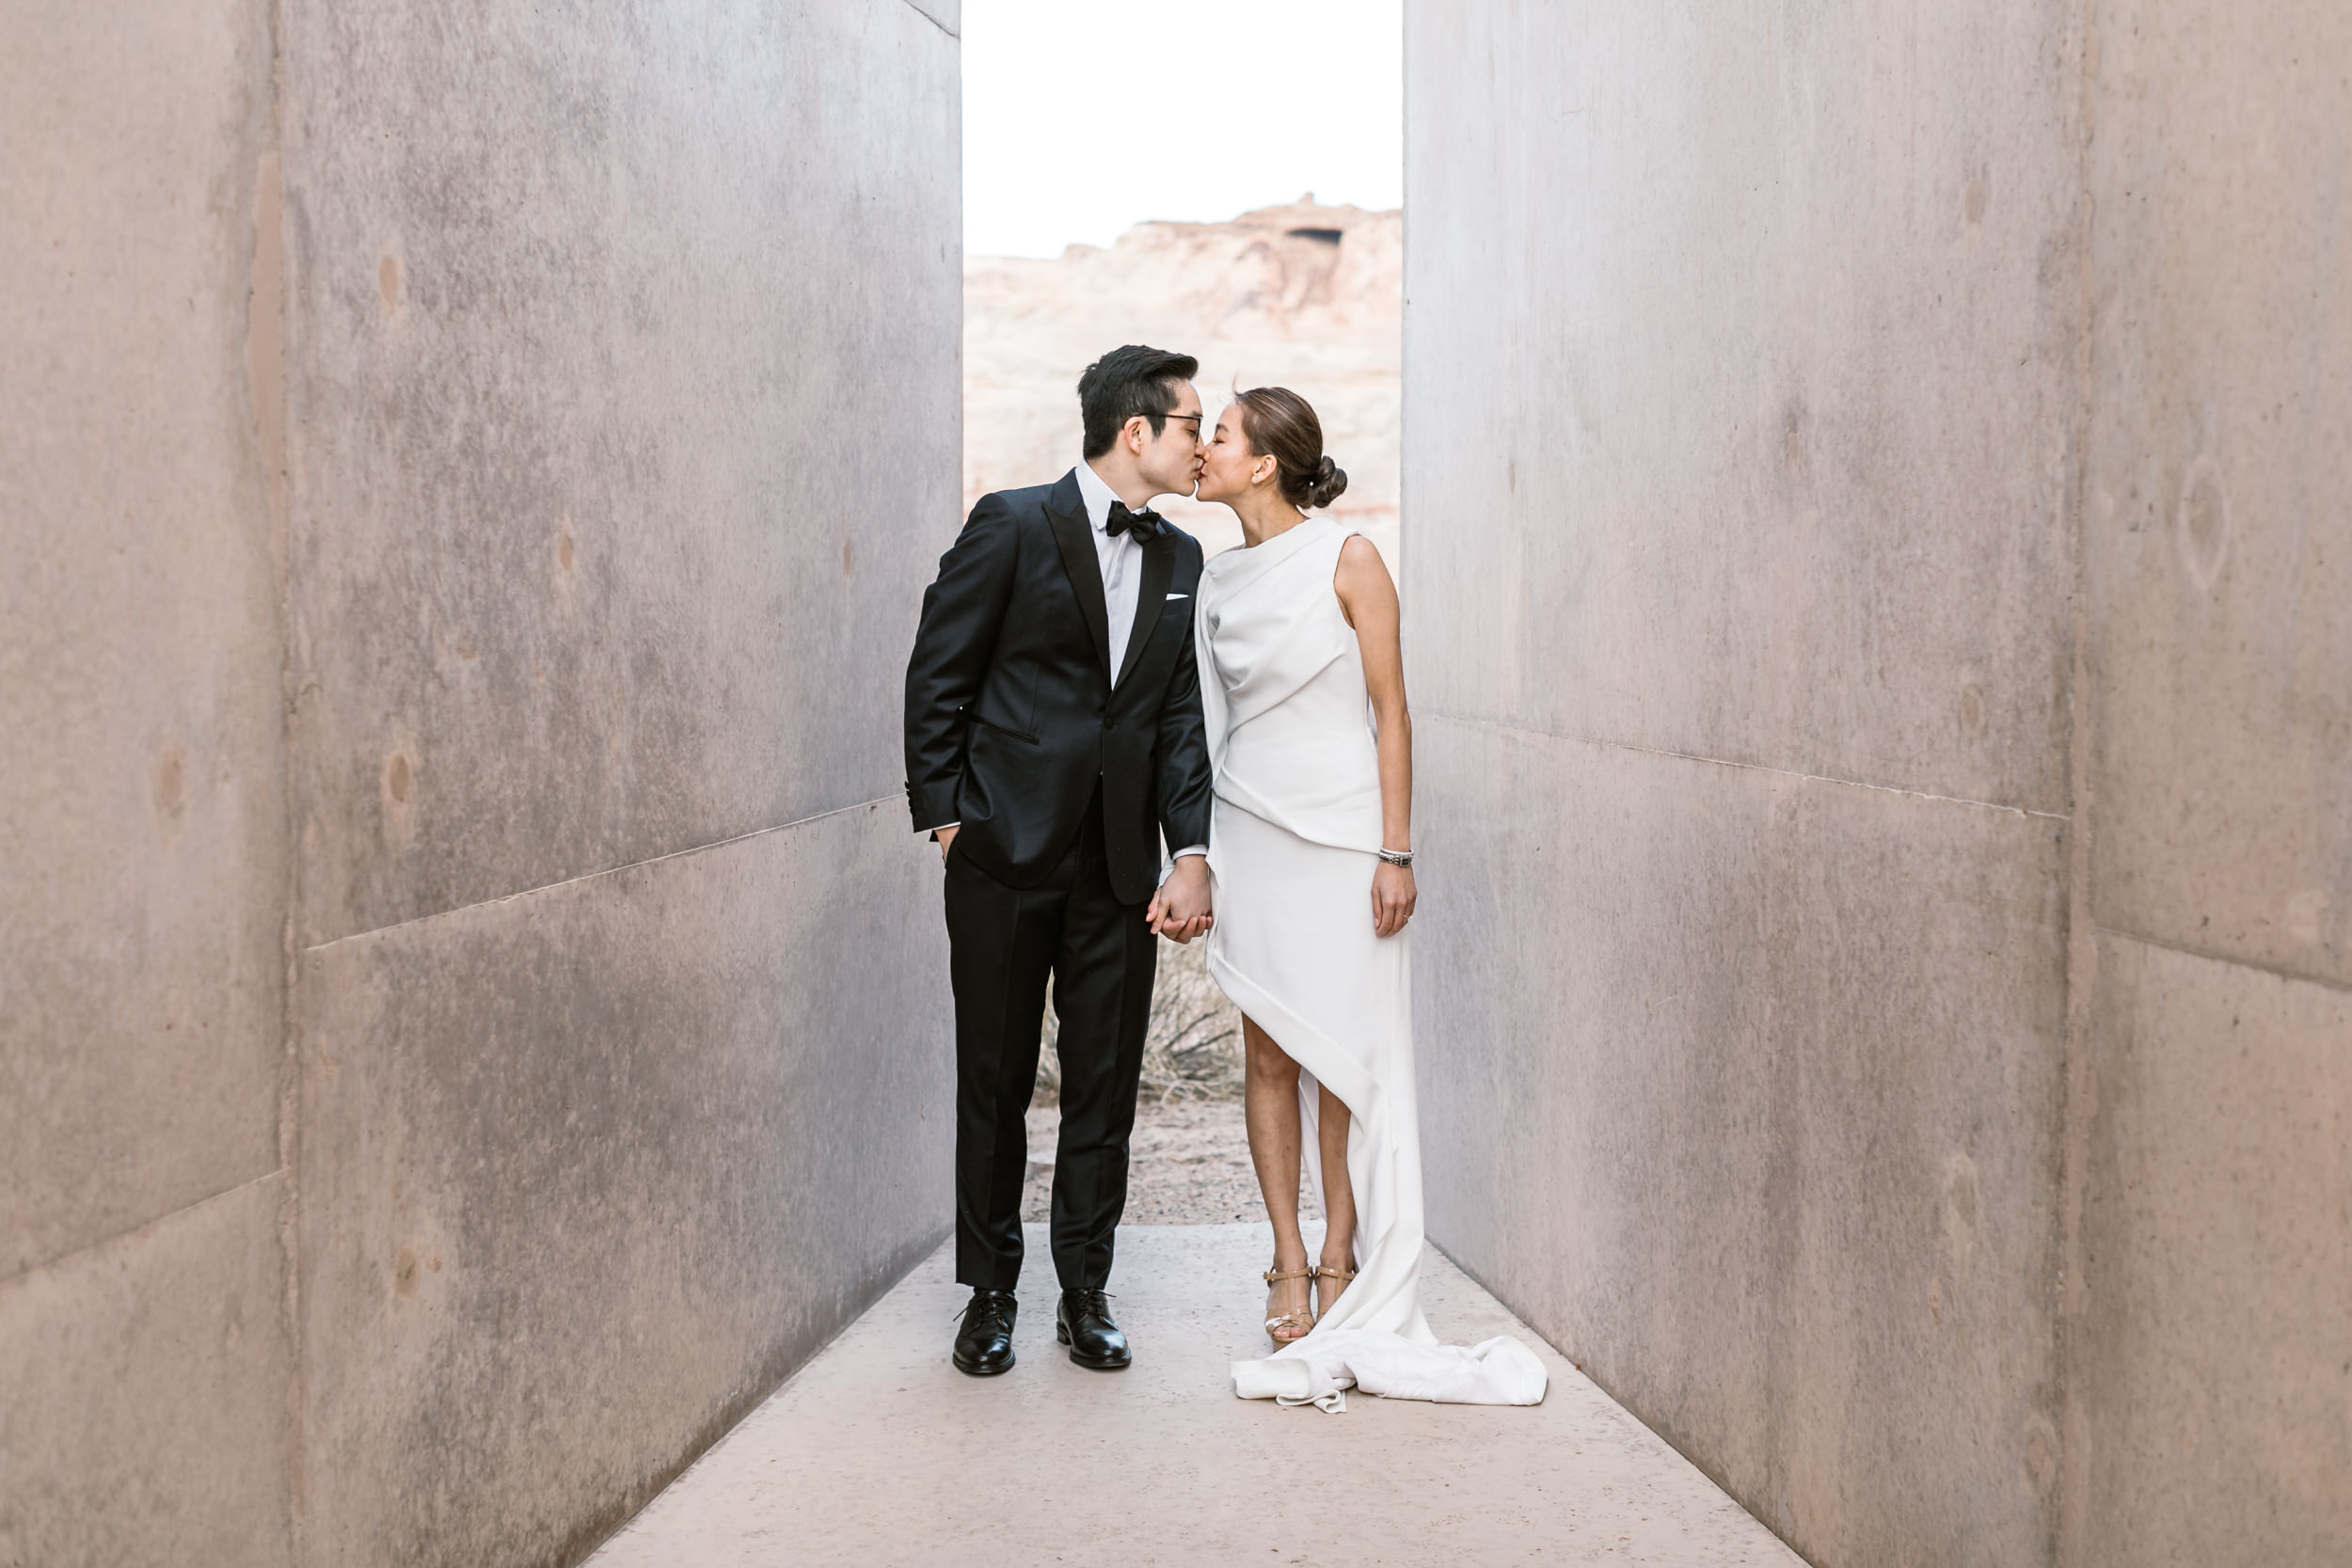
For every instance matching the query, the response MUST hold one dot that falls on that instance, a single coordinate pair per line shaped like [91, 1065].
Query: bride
[1302, 685]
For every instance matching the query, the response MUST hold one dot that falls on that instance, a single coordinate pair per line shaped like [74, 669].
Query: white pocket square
[1180, 596]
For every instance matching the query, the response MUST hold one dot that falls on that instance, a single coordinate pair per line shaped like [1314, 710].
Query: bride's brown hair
[1281, 425]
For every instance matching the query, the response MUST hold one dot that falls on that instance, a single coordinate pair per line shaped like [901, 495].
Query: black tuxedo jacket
[1013, 711]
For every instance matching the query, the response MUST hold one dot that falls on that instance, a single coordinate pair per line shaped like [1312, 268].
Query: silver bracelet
[1396, 857]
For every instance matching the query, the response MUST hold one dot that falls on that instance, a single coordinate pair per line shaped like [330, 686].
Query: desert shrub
[1193, 1051]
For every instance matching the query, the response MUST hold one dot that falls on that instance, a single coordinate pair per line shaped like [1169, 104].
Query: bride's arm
[1367, 598]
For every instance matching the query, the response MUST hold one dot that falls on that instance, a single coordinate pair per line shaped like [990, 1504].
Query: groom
[1053, 738]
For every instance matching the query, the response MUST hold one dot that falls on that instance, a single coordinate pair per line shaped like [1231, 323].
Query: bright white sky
[1084, 118]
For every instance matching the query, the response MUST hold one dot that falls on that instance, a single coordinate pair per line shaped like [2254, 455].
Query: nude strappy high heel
[1343, 1275]
[1300, 1323]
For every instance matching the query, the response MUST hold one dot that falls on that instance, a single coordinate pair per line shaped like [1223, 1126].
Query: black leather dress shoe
[984, 1343]
[1083, 1322]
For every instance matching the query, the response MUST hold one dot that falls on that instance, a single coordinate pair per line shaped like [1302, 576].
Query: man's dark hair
[1126, 382]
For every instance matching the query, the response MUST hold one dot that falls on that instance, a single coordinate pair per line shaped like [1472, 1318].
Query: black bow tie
[1145, 523]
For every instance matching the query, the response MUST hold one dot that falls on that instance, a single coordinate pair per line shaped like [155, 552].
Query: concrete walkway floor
[879, 1453]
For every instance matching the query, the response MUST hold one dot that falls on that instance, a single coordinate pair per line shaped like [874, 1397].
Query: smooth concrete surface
[586, 1171]
[468, 480]
[1740, 355]
[2216, 1366]
[1875, 591]
[144, 1354]
[1734, 1044]
[2218, 536]
[142, 887]
[615, 338]
[144, 1417]
[2211, 1367]
[879, 1451]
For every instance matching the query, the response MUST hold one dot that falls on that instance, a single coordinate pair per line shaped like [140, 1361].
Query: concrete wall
[474, 1017]
[2210, 1284]
[1874, 502]
[146, 1352]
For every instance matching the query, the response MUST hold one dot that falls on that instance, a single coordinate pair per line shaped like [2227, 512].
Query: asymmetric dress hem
[1294, 826]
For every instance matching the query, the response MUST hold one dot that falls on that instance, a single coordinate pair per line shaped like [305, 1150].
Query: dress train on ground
[1293, 831]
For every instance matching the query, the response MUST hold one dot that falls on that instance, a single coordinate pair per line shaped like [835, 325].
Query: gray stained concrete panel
[142, 890]
[587, 1170]
[1875, 581]
[143, 1395]
[1742, 1084]
[468, 480]
[625, 339]
[2215, 1370]
[2212, 1367]
[1705, 311]
[2218, 536]
[145, 1359]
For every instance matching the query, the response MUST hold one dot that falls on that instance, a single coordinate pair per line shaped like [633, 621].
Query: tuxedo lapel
[1159, 570]
[1074, 534]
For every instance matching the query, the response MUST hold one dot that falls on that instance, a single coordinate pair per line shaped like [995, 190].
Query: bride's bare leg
[1339, 1196]
[1270, 1109]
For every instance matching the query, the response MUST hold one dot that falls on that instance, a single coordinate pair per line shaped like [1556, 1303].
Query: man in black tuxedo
[1053, 738]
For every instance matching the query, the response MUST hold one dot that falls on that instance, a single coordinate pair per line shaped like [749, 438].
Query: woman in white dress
[1302, 684]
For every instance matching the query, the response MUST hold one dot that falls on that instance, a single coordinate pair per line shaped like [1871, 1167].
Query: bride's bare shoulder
[1362, 577]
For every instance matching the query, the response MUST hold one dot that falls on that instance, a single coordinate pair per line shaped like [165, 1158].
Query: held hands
[1180, 910]
[1392, 898]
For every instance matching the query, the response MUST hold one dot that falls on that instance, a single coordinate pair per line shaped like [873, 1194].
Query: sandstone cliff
[1302, 297]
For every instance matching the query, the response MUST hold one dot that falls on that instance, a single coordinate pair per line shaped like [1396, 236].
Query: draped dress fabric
[1293, 825]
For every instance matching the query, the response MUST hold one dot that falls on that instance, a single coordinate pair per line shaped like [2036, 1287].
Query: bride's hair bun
[1328, 485]
[1281, 424]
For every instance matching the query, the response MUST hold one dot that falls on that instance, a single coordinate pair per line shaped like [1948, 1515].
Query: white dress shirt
[1121, 561]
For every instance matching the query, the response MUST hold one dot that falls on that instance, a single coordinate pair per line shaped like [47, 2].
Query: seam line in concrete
[2278, 971]
[592, 876]
[887, 1279]
[1760, 767]
[133, 1232]
[2068, 1528]
[932, 20]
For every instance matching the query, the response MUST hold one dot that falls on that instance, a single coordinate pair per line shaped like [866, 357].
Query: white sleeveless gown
[1296, 821]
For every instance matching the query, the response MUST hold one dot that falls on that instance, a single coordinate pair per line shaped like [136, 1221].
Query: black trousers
[1003, 943]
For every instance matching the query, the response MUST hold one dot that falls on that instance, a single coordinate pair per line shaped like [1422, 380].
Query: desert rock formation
[1303, 296]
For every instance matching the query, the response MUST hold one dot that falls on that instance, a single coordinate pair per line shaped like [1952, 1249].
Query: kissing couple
[1085, 687]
